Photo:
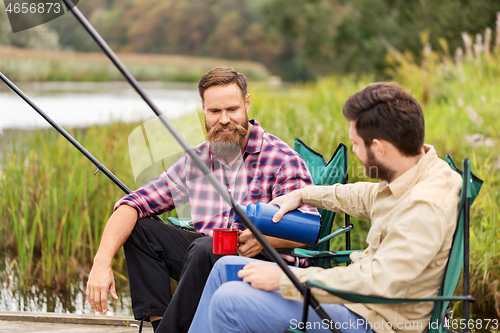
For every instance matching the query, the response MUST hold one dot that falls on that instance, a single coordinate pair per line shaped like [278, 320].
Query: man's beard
[375, 169]
[227, 146]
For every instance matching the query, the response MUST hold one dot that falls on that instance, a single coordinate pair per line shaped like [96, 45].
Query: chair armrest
[334, 234]
[359, 298]
[337, 256]
[182, 222]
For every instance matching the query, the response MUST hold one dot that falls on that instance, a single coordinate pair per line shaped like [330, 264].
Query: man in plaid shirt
[254, 165]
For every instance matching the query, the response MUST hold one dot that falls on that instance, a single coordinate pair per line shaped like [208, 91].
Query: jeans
[237, 307]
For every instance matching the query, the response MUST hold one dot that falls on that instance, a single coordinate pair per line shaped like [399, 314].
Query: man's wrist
[301, 194]
[103, 260]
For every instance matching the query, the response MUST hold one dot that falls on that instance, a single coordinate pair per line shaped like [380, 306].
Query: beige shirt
[413, 220]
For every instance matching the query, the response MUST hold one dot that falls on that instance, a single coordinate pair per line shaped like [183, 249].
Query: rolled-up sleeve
[160, 195]
[353, 199]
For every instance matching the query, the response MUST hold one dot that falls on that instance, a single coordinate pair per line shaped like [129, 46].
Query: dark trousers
[156, 252]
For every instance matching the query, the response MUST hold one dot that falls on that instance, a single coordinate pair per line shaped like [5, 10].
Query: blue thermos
[296, 226]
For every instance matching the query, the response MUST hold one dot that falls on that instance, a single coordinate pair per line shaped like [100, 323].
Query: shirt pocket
[258, 194]
[373, 239]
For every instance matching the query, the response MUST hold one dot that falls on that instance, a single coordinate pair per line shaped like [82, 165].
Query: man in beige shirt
[413, 210]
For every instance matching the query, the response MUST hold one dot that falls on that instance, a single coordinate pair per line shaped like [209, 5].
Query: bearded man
[254, 165]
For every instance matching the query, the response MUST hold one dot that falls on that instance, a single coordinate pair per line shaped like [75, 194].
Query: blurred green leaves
[296, 39]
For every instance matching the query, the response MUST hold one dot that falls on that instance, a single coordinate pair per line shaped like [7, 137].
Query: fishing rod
[67, 136]
[198, 162]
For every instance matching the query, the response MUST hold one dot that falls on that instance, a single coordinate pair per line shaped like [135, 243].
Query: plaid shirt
[268, 168]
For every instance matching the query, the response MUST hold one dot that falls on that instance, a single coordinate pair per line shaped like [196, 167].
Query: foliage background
[296, 39]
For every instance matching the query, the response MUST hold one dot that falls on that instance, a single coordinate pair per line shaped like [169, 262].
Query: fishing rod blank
[217, 185]
[68, 137]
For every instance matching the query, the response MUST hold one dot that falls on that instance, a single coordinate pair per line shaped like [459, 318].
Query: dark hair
[221, 76]
[386, 111]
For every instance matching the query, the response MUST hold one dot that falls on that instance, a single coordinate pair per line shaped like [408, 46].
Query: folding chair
[333, 172]
[458, 257]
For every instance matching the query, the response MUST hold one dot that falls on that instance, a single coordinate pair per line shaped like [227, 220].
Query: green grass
[54, 210]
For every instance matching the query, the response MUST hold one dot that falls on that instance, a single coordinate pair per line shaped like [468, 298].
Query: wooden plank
[64, 318]
[32, 327]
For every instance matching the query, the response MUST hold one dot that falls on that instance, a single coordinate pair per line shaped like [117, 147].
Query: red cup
[225, 241]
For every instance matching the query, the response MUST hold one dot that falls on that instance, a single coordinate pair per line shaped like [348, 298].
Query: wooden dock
[58, 323]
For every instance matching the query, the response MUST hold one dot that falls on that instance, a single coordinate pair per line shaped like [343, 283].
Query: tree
[306, 29]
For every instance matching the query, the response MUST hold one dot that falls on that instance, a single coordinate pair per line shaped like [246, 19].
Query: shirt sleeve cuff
[311, 195]
[288, 290]
[140, 214]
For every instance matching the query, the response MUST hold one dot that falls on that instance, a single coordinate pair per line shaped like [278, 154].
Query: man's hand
[249, 247]
[261, 275]
[101, 279]
[287, 202]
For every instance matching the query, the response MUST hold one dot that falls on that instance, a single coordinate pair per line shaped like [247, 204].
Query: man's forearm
[279, 243]
[117, 230]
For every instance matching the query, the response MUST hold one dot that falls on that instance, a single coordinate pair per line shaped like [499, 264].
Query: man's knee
[200, 246]
[144, 224]
[139, 230]
[226, 297]
[200, 254]
[147, 223]
[145, 231]
[229, 306]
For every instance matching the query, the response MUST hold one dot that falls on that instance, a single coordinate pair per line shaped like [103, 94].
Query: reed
[54, 208]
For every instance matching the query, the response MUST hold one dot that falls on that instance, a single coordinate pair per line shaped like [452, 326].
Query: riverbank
[24, 65]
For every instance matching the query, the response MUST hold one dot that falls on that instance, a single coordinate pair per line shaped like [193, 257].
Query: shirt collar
[406, 181]
[255, 139]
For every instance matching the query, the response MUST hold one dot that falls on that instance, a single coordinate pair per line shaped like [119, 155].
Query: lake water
[42, 299]
[78, 105]
[85, 104]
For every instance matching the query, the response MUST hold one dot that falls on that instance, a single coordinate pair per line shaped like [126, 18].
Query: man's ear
[202, 105]
[247, 103]
[378, 148]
